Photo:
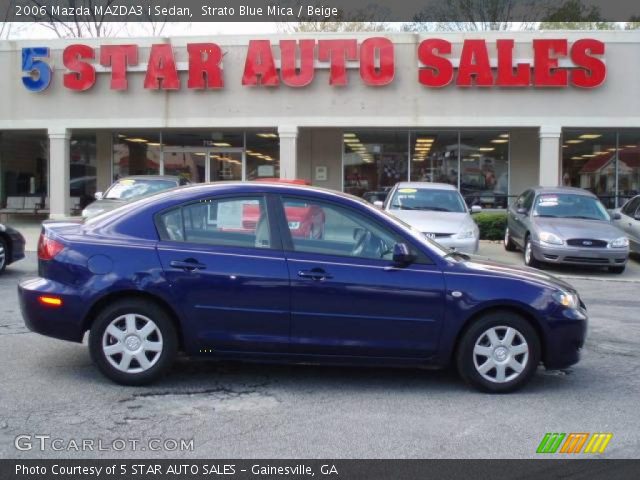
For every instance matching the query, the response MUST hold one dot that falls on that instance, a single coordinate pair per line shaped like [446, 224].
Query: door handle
[189, 264]
[317, 274]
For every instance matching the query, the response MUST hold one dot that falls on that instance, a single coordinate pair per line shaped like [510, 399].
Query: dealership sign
[554, 63]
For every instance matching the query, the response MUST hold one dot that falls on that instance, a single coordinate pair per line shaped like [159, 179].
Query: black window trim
[275, 236]
[287, 239]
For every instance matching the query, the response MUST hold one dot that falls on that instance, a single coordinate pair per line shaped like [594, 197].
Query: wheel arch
[512, 308]
[134, 294]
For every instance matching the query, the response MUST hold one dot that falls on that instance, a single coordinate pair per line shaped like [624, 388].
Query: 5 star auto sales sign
[293, 63]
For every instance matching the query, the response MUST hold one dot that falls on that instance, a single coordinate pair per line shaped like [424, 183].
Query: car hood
[578, 228]
[104, 205]
[477, 264]
[434, 222]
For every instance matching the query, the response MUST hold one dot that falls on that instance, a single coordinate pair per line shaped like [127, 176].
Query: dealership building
[492, 113]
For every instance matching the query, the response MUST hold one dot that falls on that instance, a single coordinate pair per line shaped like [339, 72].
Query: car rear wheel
[509, 246]
[619, 269]
[3, 254]
[133, 341]
[529, 259]
[499, 352]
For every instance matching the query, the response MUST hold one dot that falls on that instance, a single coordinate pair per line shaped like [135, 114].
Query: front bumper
[63, 322]
[467, 245]
[580, 256]
[565, 339]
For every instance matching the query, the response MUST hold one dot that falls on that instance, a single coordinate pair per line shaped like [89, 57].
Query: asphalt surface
[232, 410]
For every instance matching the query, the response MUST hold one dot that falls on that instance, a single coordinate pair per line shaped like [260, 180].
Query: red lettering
[507, 77]
[290, 74]
[118, 57]
[259, 67]
[439, 70]
[546, 71]
[383, 75]
[474, 62]
[161, 70]
[204, 66]
[82, 75]
[592, 71]
[338, 52]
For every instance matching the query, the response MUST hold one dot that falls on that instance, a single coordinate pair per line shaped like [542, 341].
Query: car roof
[427, 185]
[150, 177]
[559, 190]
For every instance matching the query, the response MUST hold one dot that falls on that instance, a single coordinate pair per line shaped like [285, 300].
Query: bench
[32, 205]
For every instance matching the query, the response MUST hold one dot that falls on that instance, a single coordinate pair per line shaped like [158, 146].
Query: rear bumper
[565, 340]
[580, 256]
[63, 322]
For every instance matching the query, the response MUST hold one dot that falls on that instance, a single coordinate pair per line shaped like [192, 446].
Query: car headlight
[551, 238]
[622, 242]
[294, 225]
[566, 299]
[463, 234]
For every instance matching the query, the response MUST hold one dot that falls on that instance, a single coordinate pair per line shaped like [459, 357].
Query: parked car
[131, 188]
[565, 225]
[376, 196]
[156, 276]
[11, 246]
[438, 210]
[627, 219]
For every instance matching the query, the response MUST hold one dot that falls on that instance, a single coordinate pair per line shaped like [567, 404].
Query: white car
[438, 210]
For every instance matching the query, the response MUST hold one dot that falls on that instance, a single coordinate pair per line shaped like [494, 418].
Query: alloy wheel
[132, 343]
[527, 253]
[3, 256]
[500, 354]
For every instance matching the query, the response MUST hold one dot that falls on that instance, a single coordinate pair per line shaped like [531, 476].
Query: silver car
[565, 225]
[628, 219]
[438, 210]
[130, 188]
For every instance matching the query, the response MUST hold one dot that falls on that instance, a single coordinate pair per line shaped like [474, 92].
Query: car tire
[617, 269]
[509, 246]
[529, 259]
[133, 341]
[508, 344]
[4, 254]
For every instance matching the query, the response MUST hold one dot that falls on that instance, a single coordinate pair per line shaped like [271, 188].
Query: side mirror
[402, 255]
[522, 211]
[617, 216]
[637, 216]
[476, 209]
[97, 195]
[379, 203]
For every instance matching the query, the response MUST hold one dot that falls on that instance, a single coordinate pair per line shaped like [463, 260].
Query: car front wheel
[133, 341]
[3, 255]
[499, 352]
[509, 246]
[529, 259]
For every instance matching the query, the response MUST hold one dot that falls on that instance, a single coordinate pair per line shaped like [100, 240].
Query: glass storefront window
[82, 168]
[136, 153]
[24, 165]
[374, 160]
[263, 154]
[434, 157]
[203, 138]
[628, 165]
[589, 162]
[484, 168]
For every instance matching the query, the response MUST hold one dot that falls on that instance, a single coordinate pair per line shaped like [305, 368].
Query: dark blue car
[218, 271]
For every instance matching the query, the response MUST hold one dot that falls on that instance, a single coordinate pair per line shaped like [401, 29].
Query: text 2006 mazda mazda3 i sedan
[188, 270]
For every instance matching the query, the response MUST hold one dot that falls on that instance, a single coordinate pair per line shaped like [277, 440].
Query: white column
[59, 173]
[550, 158]
[288, 151]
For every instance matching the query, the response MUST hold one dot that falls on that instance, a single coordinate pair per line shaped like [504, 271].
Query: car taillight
[48, 247]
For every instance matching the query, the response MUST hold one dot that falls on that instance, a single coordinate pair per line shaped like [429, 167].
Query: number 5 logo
[37, 72]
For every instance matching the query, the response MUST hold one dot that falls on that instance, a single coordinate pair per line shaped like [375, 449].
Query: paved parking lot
[233, 410]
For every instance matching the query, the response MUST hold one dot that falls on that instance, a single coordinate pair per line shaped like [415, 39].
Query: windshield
[428, 199]
[132, 188]
[569, 205]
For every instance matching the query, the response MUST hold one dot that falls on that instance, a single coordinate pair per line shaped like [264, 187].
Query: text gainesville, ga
[173, 469]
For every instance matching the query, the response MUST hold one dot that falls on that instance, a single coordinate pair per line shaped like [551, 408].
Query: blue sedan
[226, 271]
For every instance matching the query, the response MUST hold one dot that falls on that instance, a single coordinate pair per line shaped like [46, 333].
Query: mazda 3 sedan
[181, 271]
